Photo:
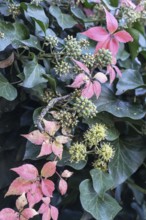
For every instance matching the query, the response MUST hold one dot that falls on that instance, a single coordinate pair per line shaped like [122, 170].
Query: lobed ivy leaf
[131, 79]
[64, 20]
[78, 12]
[105, 208]
[7, 90]
[110, 103]
[129, 155]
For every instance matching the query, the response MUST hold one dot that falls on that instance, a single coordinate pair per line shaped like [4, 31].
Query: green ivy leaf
[102, 181]
[110, 103]
[129, 155]
[33, 74]
[64, 20]
[105, 208]
[130, 79]
[7, 91]
[133, 46]
[78, 12]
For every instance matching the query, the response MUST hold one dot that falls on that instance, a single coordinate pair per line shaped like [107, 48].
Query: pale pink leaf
[8, 214]
[57, 149]
[118, 70]
[63, 186]
[97, 88]
[123, 36]
[111, 73]
[113, 46]
[21, 202]
[54, 212]
[111, 22]
[28, 213]
[66, 174]
[47, 215]
[34, 195]
[18, 186]
[46, 200]
[96, 33]
[87, 91]
[79, 80]
[51, 127]
[27, 172]
[62, 139]
[46, 148]
[82, 66]
[48, 169]
[35, 137]
[47, 187]
[43, 208]
[101, 77]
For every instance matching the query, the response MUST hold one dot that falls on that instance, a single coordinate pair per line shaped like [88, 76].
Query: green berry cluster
[129, 15]
[62, 68]
[84, 43]
[88, 59]
[66, 119]
[14, 9]
[48, 95]
[103, 58]
[100, 165]
[52, 40]
[72, 47]
[95, 134]
[84, 107]
[77, 152]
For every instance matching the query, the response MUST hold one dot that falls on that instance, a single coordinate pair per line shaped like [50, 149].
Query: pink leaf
[111, 22]
[48, 169]
[103, 44]
[46, 148]
[57, 149]
[101, 77]
[8, 214]
[21, 202]
[43, 208]
[96, 33]
[54, 212]
[28, 213]
[46, 200]
[27, 172]
[96, 88]
[34, 195]
[47, 187]
[36, 137]
[123, 36]
[113, 46]
[88, 91]
[18, 186]
[79, 80]
[62, 139]
[63, 186]
[118, 70]
[82, 66]
[112, 74]
[51, 127]
[66, 174]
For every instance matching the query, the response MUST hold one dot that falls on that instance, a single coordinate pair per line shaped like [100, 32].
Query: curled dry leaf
[7, 62]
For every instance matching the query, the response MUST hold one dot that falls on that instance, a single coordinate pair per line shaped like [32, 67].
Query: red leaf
[82, 66]
[113, 46]
[46, 148]
[111, 22]
[18, 186]
[54, 212]
[27, 172]
[79, 80]
[102, 44]
[28, 213]
[35, 194]
[123, 36]
[96, 33]
[88, 91]
[47, 187]
[35, 137]
[63, 186]
[112, 74]
[48, 169]
[8, 214]
[51, 127]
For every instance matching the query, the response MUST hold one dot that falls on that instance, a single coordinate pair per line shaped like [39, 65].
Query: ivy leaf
[33, 74]
[128, 157]
[7, 91]
[64, 20]
[105, 208]
[78, 12]
[133, 46]
[101, 181]
[110, 103]
[130, 79]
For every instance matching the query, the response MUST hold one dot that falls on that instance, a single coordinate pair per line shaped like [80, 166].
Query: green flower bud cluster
[66, 119]
[95, 134]
[84, 107]
[48, 95]
[14, 9]
[106, 152]
[72, 47]
[62, 68]
[129, 15]
[77, 152]
[84, 43]
[88, 59]
[2, 35]
[103, 58]
[100, 165]
[52, 40]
